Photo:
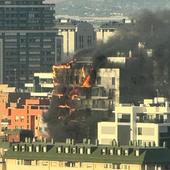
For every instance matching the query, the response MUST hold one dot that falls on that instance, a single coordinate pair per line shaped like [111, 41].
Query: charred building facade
[83, 95]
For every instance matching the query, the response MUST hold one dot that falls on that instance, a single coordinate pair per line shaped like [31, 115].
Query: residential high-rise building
[27, 40]
[77, 35]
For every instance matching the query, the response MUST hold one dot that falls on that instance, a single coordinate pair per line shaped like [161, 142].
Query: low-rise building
[27, 116]
[9, 96]
[147, 124]
[65, 156]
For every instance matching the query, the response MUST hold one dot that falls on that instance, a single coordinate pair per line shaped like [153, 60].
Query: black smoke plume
[143, 76]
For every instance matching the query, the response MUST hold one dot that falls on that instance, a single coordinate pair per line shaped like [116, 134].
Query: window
[105, 165]
[103, 151]
[137, 153]
[119, 152]
[44, 148]
[98, 80]
[22, 148]
[37, 149]
[111, 151]
[70, 164]
[81, 150]
[139, 131]
[30, 148]
[74, 150]
[9, 112]
[88, 151]
[126, 152]
[66, 150]
[15, 148]
[115, 166]
[89, 40]
[59, 150]
[113, 80]
[27, 162]
[34, 107]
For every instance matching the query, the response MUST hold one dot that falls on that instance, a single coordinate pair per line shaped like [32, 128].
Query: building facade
[76, 35]
[144, 125]
[27, 40]
[42, 85]
[107, 31]
[27, 116]
[49, 156]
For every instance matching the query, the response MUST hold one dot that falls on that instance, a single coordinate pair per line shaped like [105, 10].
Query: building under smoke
[87, 88]
[84, 93]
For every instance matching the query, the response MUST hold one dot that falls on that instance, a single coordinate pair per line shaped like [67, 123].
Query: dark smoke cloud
[142, 77]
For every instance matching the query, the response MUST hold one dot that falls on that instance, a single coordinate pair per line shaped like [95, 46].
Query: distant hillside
[106, 7]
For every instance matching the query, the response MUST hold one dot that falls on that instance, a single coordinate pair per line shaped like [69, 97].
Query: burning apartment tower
[85, 92]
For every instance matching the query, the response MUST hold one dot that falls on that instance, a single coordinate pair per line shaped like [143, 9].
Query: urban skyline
[84, 85]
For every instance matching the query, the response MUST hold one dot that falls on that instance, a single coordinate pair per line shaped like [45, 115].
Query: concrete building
[147, 124]
[85, 91]
[109, 79]
[65, 156]
[107, 31]
[77, 35]
[42, 85]
[27, 116]
[27, 40]
[8, 96]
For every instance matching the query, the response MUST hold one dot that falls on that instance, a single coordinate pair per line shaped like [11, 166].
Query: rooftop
[88, 153]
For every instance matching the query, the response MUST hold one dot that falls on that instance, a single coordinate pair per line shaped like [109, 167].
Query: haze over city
[84, 84]
[107, 7]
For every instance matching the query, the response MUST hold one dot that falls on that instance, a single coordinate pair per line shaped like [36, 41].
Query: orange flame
[59, 95]
[86, 82]
[64, 106]
[83, 72]
[62, 66]
[75, 96]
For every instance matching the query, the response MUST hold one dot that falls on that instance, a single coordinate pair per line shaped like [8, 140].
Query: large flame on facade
[72, 81]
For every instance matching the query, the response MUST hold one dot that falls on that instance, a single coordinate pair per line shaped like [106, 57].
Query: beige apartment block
[107, 31]
[110, 80]
[77, 35]
[84, 156]
[146, 125]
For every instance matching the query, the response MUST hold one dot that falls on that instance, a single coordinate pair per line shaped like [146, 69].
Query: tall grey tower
[27, 40]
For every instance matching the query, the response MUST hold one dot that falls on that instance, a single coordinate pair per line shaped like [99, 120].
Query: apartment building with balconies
[144, 125]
